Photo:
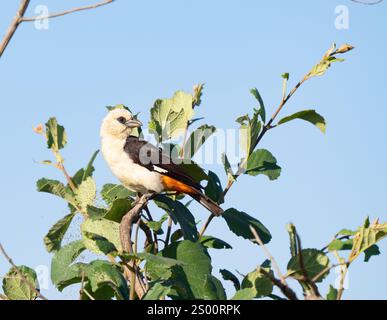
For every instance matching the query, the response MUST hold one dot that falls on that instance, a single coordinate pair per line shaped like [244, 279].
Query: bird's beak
[134, 123]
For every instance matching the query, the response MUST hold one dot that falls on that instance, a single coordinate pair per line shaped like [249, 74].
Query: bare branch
[19, 18]
[127, 246]
[285, 289]
[14, 25]
[21, 275]
[63, 13]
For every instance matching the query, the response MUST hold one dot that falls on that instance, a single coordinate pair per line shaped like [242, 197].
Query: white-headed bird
[140, 166]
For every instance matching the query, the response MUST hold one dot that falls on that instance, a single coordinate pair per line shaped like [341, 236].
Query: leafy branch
[178, 266]
[256, 130]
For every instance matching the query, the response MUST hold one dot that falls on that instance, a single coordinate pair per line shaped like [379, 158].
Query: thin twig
[3, 297]
[68, 178]
[169, 230]
[82, 291]
[59, 14]
[19, 18]
[268, 254]
[205, 226]
[148, 233]
[21, 275]
[14, 25]
[327, 269]
[155, 241]
[343, 274]
[88, 294]
[312, 293]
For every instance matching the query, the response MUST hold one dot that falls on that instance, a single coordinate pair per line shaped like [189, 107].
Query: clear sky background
[133, 52]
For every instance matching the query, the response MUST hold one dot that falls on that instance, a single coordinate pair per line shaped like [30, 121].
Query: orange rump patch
[171, 184]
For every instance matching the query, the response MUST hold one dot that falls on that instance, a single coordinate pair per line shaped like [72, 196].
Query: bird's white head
[119, 124]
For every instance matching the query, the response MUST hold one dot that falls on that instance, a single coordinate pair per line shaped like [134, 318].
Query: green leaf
[118, 209]
[194, 171]
[195, 273]
[181, 214]
[159, 267]
[308, 115]
[90, 168]
[370, 252]
[262, 110]
[102, 273]
[367, 236]
[56, 135]
[214, 188]
[245, 294]
[197, 139]
[249, 131]
[227, 168]
[104, 232]
[263, 162]
[56, 188]
[54, 237]
[315, 261]
[177, 235]
[86, 193]
[111, 192]
[102, 293]
[95, 213]
[215, 285]
[156, 226]
[346, 232]
[332, 294]
[14, 286]
[63, 271]
[229, 276]
[259, 282]
[83, 174]
[292, 237]
[285, 76]
[198, 92]
[214, 243]
[240, 222]
[322, 67]
[340, 245]
[169, 117]
[158, 290]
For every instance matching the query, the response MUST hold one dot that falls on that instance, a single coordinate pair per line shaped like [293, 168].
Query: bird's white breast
[131, 175]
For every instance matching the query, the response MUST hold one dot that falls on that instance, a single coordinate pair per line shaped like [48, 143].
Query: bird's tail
[172, 184]
[207, 202]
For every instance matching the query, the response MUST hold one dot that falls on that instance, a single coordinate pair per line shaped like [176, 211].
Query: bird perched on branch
[142, 167]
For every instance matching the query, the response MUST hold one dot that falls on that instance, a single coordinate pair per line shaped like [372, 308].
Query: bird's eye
[121, 120]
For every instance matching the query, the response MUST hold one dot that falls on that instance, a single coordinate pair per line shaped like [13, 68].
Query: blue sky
[133, 52]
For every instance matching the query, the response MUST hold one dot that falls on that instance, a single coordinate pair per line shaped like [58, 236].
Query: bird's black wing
[154, 159]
